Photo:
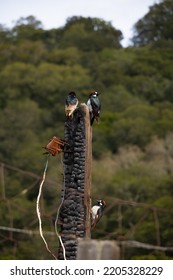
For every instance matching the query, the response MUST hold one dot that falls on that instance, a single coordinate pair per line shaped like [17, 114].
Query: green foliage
[15, 81]
[90, 34]
[132, 144]
[156, 25]
[68, 56]
[28, 28]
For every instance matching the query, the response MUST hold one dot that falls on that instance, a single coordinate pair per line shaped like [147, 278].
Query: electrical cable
[58, 211]
[38, 208]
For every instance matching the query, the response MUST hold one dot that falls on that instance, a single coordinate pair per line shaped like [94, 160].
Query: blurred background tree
[132, 144]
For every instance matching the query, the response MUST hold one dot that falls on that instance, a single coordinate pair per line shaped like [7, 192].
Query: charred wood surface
[74, 217]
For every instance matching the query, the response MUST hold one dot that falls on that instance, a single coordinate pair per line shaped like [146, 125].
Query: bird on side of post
[97, 212]
[94, 106]
[71, 104]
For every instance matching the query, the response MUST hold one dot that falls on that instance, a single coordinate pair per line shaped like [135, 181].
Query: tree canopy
[155, 26]
[132, 144]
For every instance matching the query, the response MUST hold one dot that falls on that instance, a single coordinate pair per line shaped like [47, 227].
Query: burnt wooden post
[74, 215]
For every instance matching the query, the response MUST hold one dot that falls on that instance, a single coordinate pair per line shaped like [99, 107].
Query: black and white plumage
[71, 104]
[94, 106]
[97, 212]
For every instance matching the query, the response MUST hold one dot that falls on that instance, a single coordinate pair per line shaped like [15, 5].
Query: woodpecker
[94, 106]
[97, 212]
[71, 104]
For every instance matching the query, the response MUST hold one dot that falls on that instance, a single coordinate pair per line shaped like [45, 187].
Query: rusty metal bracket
[55, 146]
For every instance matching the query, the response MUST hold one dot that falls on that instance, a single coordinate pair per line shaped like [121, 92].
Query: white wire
[57, 215]
[38, 209]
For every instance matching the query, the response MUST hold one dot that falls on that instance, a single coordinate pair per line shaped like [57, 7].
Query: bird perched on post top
[97, 212]
[94, 106]
[71, 104]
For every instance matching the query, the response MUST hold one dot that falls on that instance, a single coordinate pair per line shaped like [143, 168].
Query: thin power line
[26, 231]
[31, 174]
[127, 243]
[137, 244]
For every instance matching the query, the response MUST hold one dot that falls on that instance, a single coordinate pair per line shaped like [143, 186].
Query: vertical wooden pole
[88, 171]
[74, 217]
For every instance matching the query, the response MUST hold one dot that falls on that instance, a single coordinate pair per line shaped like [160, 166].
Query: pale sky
[122, 14]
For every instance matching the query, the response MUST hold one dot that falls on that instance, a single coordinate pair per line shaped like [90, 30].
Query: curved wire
[38, 208]
[58, 211]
